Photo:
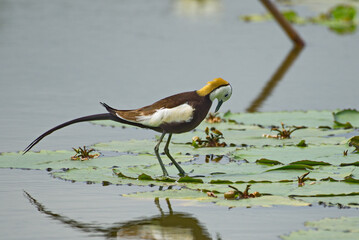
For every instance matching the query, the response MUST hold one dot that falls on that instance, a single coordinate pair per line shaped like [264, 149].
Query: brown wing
[168, 102]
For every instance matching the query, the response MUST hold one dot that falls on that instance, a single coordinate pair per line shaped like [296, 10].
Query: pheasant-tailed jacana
[174, 114]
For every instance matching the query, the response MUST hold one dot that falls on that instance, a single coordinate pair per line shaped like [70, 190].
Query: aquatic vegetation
[282, 133]
[347, 118]
[237, 194]
[83, 154]
[268, 161]
[211, 194]
[302, 143]
[270, 166]
[212, 139]
[342, 12]
[302, 179]
[214, 118]
[351, 179]
[354, 142]
[214, 158]
[188, 179]
[327, 228]
[341, 19]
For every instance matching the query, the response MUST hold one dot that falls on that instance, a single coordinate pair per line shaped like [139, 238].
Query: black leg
[169, 206]
[167, 151]
[157, 202]
[165, 173]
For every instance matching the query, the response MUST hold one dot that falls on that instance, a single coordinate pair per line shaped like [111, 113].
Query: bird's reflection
[166, 225]
[274, 80]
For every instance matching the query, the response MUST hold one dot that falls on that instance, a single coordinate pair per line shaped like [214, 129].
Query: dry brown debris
[83, 154]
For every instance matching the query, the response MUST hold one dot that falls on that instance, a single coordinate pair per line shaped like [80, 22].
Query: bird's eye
[226, 95]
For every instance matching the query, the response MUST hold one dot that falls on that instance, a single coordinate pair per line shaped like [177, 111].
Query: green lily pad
[346, 116]
[243, 135]
[350, 179]
[354, 141]
[346, 125]
[292, 167]
[178, 150]
[340, 19]
[311, 119]
[268, 161]
[264, 201]
[350, 164]
[328, 228]
[62, 160]
[188, 179]
[253, 160]
[293, 17]
[145, 177]
[302, 144]
[41, 160]
[186, 194]
[256, 17]
[343, 13]
[218, 181]
[331, 154]
[310, 163]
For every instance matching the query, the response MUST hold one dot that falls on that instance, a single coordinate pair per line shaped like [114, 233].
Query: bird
[175, 114]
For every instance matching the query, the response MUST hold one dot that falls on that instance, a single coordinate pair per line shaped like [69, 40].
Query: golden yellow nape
[215, 83]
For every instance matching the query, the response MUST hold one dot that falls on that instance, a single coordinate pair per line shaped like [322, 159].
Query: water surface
[58, 59]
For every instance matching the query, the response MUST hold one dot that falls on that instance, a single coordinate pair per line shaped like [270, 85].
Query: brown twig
[286, 26]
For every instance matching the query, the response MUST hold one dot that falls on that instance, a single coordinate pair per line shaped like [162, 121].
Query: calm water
[65, 210]
[58, 59]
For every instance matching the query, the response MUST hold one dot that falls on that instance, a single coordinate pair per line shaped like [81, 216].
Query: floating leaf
[292, 167]
[350, 179]
[256, 17]
[219, 181]
[328, 228]
[310, 163]
[347, 118]
[121, 175]
[350, 164]
[187, 179]
[311, 119]
[329, 179]
[354, 142]
[343, 12]
[340, 19]
[291, 16]
[251, 160]
[302, 144]
[346, 125]
[186, 194]
[332, 154]
[268, 161]
[145, 177]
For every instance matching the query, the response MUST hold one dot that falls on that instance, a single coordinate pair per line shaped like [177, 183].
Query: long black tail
[103, 116]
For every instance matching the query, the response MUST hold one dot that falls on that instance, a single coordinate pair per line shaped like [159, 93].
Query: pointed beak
[218, 105]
